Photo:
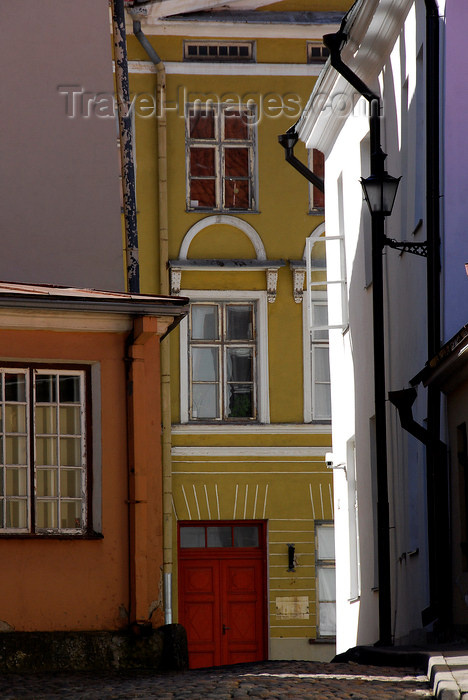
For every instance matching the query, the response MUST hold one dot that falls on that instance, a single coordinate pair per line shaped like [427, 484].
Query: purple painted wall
[455, 201]
[59, 178]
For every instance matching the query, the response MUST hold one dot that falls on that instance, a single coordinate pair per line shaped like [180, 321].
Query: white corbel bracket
[271, 283]
[299, 272]
[176, 277]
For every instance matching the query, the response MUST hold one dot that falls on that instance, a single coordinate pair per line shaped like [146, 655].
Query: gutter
[165, 348]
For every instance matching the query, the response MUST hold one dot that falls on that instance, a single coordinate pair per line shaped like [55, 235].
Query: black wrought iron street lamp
[380, 192]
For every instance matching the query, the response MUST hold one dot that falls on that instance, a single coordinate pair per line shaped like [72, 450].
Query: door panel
[242, 607]
[200, 611]
[222, 609]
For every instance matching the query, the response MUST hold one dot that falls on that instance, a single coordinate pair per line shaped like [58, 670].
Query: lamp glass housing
[380, 192]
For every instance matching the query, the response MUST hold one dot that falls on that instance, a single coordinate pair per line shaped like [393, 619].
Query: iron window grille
[222, 361]
[220, 154]
[43, 469]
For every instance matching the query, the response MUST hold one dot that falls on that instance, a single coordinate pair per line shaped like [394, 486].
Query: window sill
[49, 536]
[223, 211]
[323, 640]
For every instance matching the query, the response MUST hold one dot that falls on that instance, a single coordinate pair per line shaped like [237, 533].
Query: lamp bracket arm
[406, 247]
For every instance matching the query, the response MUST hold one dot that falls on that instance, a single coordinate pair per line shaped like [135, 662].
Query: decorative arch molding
[313, 238]
[299, 267]
[233, 221]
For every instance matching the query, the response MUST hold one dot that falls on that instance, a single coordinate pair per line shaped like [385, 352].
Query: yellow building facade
[224, 221]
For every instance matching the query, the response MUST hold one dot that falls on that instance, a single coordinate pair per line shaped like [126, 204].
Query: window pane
[327, 616]
[46, 420]
[70, 452]
[15, 418]
[236, 162]
[46, 451]
[192, 537]
[16, 482]
[239, 322]
[236, 124]
[69, 389]
[16, 514]
[70, 483]
[46, 482]
[2, 472]
[205, 401]
[326, 580]
[70, 514]
[203, 193]
[202, 124]
[246, 536]
[70, 420]
[204, 364]
[46, 388]
[236, 194]
[239, 364]
[322, 364]
[204, 322]
[322, 407]
[202, 162]
[46, 514]
[219, 536]
[15, 450]
[325, 542]
[239, 401]
[320, 318]
[15, 387]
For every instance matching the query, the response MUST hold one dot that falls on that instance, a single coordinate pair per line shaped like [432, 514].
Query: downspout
[288, 141]
[437, 475]
[335, 42]
[165, 345]
[126, 146]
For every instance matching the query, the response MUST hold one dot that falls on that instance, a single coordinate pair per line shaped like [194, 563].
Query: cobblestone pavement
[268, 680]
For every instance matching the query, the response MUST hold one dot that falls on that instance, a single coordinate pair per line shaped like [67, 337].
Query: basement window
[316, 52]
[239, 51]
[43, 458]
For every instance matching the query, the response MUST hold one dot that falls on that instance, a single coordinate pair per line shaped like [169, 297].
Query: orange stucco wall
[52, 584]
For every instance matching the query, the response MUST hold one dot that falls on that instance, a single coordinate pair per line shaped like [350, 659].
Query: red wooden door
[222, 605]
[241, 611]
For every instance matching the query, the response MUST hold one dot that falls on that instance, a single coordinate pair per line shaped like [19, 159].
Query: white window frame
[321, 564]
[317, 297]
[217, 145]
[260, 300]
[31, 371]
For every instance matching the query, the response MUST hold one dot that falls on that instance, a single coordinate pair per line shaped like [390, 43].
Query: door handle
[225, 628]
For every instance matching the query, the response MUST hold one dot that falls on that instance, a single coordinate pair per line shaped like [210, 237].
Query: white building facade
[384, 43]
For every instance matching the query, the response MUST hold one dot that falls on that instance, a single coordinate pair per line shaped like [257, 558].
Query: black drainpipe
[288, 141]
[126, 147]
[335, 42]
[437, 464]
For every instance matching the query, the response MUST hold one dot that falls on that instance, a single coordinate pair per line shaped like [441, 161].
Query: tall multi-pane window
[325, 573]
[321, 393]
[43, 479]
[222, 356]
[220, 157]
